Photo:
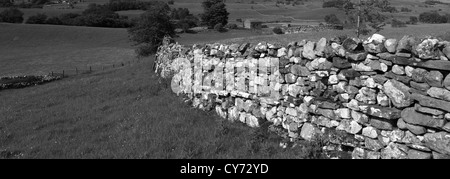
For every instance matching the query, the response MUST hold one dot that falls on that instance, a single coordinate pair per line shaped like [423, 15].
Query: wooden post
[113, 65]
[90, 69]
[52, 73]
[63, 73]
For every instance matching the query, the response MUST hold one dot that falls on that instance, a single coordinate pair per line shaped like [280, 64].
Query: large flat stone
[410, 115]
[383, 112]
[431, 102]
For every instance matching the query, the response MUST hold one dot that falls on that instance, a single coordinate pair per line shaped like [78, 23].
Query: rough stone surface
[431, 102]
[419, 86]
[446, 82]
[434, 78]
[308, 131]
[439, 142]
[373, 144]
[416, 154]
[398, 93]
[393, 151]
[391, 45]
[410, 116]
[370, 132]
[439, 93]
[383, 112]
[398, 70]
[381, 124]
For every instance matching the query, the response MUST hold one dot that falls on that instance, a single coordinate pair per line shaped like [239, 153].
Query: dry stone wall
[389, 98]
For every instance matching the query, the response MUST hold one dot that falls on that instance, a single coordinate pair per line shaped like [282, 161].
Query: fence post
[76, 69]
[90, 69]
[52, 73]
[113, 66]
[122, 63]
[63, 73]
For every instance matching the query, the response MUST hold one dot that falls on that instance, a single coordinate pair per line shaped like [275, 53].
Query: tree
[366, 15]
[150, 29]
[5, 3]
[214, 12]
[332, 19]
[11, 15]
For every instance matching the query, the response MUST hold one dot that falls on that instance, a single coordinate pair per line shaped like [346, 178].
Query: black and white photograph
[194, 80]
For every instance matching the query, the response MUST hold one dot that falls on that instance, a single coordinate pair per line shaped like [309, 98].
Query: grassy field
[39, 49]
[123, 113]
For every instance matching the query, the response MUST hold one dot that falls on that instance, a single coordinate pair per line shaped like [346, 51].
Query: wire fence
[88, 69]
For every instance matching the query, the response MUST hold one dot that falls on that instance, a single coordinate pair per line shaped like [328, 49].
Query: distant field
[39, 49]
[420, 30]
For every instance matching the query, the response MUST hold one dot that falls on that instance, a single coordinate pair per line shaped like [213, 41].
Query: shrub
[405, 9]
[231, 26]
[54, 21]
[432, 17]
[11, 15]
[413, 20]
[397, 23]
[277, 30]
[332, 19]
[39, 18]
[171, 2]
[219, 27]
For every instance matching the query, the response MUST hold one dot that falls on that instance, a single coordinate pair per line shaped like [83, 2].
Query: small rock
[419, 86]
[401, 124]
[370, 132]
[434, 78]
[373, 155]
[290, 78]
[398, 70]
[391, 45]
[308, 50]
[383, 112]
[437, 155]
[308, 131]
[392, 151]
[439, 141]
[343, 113]
[408, 71]
[415, 129]
[439, 93]
[333, 79]
[381, 124]
[418, 75]
[373, 144]
[428, 110]
[358, 153]
[405, 44]
[415, 154]
[341, 63]
[398, 93]
[320, 47]
[446, 82]
[359, 117]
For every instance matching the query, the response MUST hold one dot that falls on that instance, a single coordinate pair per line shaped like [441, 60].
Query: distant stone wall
[311, 28]
[389, 97]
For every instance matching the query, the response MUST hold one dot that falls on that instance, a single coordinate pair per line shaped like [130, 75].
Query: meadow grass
[124, 113]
